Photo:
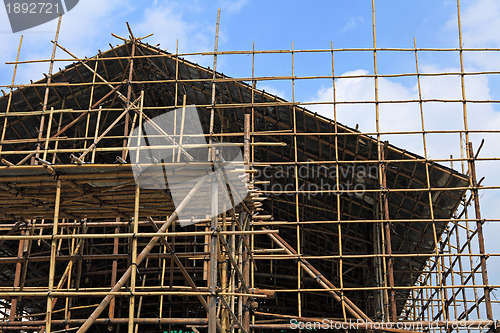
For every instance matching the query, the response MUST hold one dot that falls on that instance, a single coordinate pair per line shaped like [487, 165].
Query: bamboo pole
[67, 271]
[134, 264]
[245, 279]
[337, 183]
[49, 128]
[52, 258]
[133, 41]
[383, 194]
[17, 278]
[430, 294]
[110, 127]
[350, 307]
[213, 267]
[479, 228]
[116, 243]
[47, 89]
[142, 255]
[9, 102]
[90, 105]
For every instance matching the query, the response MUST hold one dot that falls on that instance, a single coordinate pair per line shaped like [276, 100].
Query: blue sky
[314, 25]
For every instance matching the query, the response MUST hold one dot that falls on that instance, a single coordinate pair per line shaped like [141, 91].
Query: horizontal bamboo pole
[132, 235]
[122, 256]
[202, 256]
[410, 159]
[358, 256]
[166, 147]
[337, 191]
[256, 52]
[316, 290]
[291, 223]
[48, 224]
[56, 293]
[220, 79]
[107, 321]
[259, 293]
[388, 190]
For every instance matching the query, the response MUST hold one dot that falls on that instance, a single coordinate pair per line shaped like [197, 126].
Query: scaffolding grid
[339, 225]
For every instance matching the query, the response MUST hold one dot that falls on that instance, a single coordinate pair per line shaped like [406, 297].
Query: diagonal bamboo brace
[182, 269]
[323, 281]
[105, 302]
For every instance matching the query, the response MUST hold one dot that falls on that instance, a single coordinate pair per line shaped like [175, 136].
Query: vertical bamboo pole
[245, 256]
[176, 74]
[181, 134]
[382, 179]
[387, 228]
[452, 273]
[251, 161]
[134, 261]
[461, 273]
[129, 94]
[296, 176]
[49, 128]
[139, 131]
[134, 264]
[96, 134]
[171, 275]
[224, 273]
[90, 106]
[141, 297]
[40, 136]
[337, 184]
[468, 235]
[472, 176]
[212, 282]
[162, 280]
[9, 101]
[69, 301]
[27, 252]
[47, 89]
[232, 284]
[429, 186]
[17, 278]
[53, 248]
[240, 267]
[479, 229]
[214, 75]
[57, 141]
[114, 268]
[384, 265]
[429, 305]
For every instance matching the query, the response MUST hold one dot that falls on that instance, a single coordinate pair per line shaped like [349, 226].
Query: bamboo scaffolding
[390, 253]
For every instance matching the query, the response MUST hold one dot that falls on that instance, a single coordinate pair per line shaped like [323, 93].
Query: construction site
[305, 220]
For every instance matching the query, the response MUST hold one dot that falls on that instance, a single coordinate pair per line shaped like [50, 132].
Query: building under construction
[336, 225]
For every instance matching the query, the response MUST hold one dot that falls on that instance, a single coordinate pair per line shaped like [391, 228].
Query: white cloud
[168, 23]
[353, 23]
[232, 6]
[480, 21]
[396, 117]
